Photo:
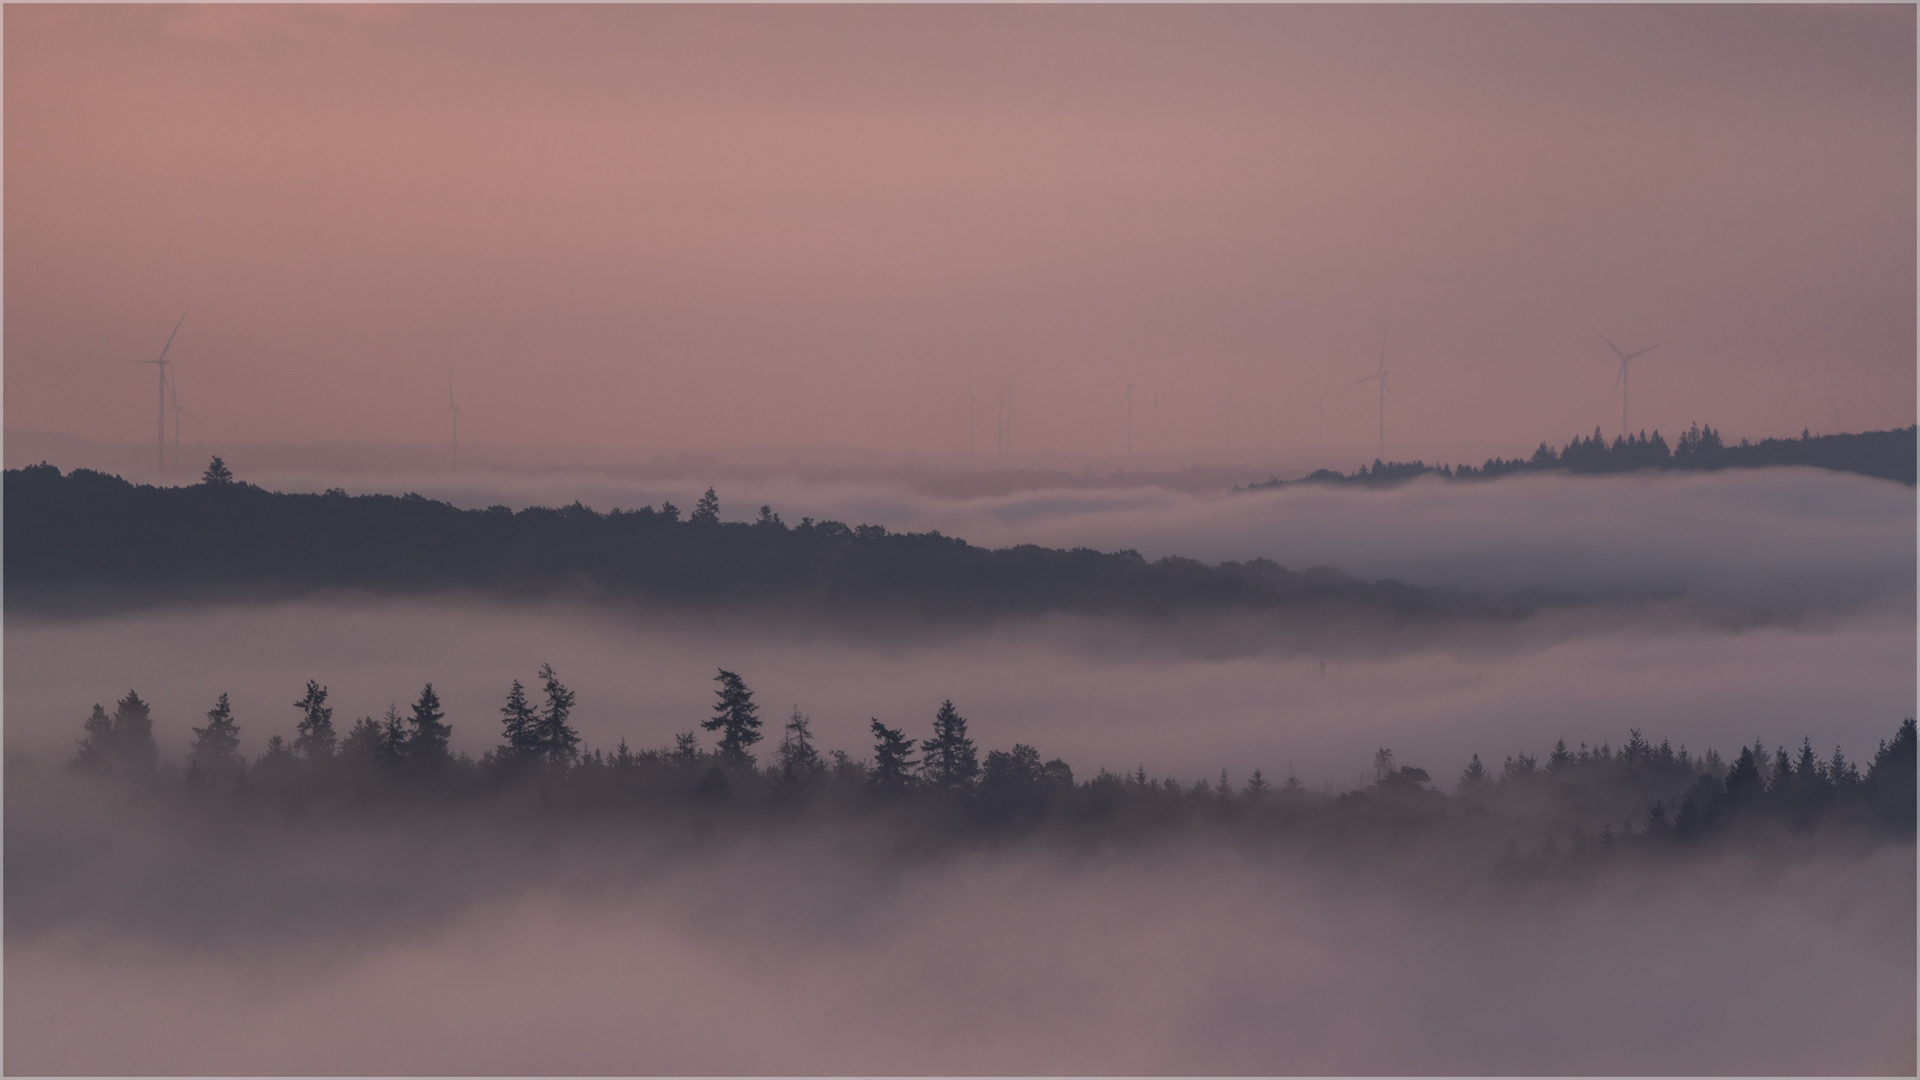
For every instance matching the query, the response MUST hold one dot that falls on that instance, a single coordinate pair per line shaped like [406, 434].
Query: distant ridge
[90, 540]
[1885, 455]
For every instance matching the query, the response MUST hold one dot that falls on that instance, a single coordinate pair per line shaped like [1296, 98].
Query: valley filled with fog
[1711, 611]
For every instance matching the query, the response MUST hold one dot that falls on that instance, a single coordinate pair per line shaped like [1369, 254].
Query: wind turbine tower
[1621, 377]
[1379, 375]
[453, 410]
[160, 434]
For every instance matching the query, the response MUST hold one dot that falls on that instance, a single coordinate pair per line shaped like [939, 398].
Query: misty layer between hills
[448, 944]
[1100, 693]
[1767, 539]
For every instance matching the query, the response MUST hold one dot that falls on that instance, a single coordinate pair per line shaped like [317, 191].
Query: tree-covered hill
[1886, 455]
[92, 539]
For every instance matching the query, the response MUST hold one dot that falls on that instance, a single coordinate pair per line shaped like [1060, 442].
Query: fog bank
[1759, 538]
[1099, 694]
[422, 947]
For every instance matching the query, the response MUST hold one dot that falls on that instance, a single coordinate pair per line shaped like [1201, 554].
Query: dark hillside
[93, 539]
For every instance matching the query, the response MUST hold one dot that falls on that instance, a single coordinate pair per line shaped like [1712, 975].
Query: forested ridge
[90, 538]
[1887, 455]
[1545, 809]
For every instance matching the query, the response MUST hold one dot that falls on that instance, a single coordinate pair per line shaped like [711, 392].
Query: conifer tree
[278, 759]
[393, 738]
[1257, 786]
[96, 749]
[362, 744]
[892, 760]
[948, 760]
[216, 747]
[559, 743]
[217, 474]
[427, 741]
[314, 738]
[1473, 776]
[707, 510]
[797, 758]
[735, 716]
[131, 736]
[521, 726]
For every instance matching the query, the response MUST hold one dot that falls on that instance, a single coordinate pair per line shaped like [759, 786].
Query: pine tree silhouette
[216, 748]
[427, 741]
[892, 770]
[948, 760]
[314, 738]
[559, 742]
[735, 717]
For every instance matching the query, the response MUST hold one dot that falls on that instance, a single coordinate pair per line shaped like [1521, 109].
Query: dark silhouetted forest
[86, 538]
[1571, 803]
[1888, 455]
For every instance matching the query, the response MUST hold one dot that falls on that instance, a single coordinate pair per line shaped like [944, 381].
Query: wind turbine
[1621, 378]
[1127, 394]
[453, 410]
[1381, 375]
[173, 391]
[160, 435]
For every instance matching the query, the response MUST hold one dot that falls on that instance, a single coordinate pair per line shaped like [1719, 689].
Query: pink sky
[713, 226]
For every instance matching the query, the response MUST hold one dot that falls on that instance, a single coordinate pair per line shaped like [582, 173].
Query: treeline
[1640, 793]
[1888, 455]
[89, 538]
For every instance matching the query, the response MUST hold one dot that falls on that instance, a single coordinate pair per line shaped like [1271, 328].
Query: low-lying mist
[1185, 700]
[147, 938]
[1768, 539]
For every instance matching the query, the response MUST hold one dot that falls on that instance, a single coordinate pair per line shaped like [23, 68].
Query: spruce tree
[427, 741]
[95, 753]
[892, 760]
[277, 761]
[559, 743]
[217, 474]
[314, 736]
[521, 726]
[707, 510]
[798, 760]
[735, 716]
[948, 760]
[216, 747]
[392, 748]
[133, 749]
[363, 742]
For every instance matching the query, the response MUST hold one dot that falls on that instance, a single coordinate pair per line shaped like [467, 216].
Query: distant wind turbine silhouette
[173, 392]
[1622, 378]
[1379, 374]
[1127, 394]
[160, 435]
[453, 411]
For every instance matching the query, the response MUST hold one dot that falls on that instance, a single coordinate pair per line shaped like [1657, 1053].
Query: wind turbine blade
[1611, 345]
[1357, 382]
[1619, 373]
[1645, 351]
[170, 337]
[1383, 353]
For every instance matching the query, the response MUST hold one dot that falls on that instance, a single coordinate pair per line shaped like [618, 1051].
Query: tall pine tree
[892, 760]
[314, 737]
[427, 741]
[521, 726]
[948, 760]
[736, 717]
[216, 748]
[559, 742]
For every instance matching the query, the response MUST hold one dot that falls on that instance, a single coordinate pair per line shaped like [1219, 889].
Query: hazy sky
[708, 226]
